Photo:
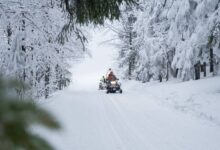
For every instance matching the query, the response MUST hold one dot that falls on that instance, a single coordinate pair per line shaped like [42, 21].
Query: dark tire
[120, 91]
[107, 91]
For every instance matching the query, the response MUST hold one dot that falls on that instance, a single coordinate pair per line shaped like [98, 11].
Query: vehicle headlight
[113, 82]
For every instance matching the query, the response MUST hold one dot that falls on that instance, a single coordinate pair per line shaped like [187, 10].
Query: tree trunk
[167, 76]
[204, 69]
[160, 77]
[176, 73]
[129, 69]
[211, 60]
[164, 4]
[47, 82]
[131, 57]
[197, 70]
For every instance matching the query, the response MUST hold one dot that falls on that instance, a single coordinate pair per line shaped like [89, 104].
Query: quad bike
[113, 87]
[102, 85]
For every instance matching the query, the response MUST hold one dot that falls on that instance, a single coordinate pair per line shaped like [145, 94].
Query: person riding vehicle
[103, 79]
[111, 76]
[112, 83]
[102, 83]
[108, 72]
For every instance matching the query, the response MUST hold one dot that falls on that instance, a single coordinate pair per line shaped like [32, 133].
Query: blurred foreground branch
[16, 118]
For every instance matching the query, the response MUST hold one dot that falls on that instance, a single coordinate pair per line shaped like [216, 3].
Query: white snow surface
[152, 116]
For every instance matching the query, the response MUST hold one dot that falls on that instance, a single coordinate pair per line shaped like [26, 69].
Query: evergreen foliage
[81, 12]
[94, 11]
[16, 118]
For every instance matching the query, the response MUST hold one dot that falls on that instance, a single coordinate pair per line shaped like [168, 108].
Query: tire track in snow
[152, 124]
[121, 126]
[107, 123]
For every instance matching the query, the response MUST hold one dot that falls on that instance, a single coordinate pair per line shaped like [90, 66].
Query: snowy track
[93, 120]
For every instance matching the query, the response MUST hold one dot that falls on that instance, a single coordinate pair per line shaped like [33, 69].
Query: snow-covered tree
[39, 37]
[30, 51]
[176, 38]
[126, 34]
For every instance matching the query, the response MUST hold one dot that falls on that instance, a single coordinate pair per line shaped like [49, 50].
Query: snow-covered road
[167, 116]
[93, 120]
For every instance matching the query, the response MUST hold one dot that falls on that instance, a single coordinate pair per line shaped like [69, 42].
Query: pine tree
[94, 11]
[126, 34]
[16, 118]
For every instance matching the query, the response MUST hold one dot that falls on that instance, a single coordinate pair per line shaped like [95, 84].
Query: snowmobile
[113, 87]
[102, 85]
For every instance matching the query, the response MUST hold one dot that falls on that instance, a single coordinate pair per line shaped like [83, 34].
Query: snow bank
[200, 98]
